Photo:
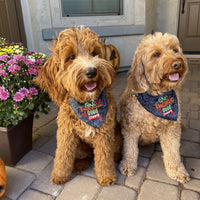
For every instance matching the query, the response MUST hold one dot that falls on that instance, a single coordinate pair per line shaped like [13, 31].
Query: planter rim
[4, 128]
[8, 128]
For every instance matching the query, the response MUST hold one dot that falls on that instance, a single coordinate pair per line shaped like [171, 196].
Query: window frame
[130, 16]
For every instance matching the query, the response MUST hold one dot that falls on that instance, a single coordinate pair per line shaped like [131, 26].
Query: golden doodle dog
[150, 104]
[78, 78]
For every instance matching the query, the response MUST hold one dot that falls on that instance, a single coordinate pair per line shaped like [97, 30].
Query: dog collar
[164, 106]
[91, 112]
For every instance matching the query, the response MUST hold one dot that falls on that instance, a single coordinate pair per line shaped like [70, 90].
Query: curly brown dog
[150, 105]
[78, 78]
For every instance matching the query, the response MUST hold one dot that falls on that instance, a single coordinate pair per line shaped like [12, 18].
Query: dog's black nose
[91, 72]
[176, 65]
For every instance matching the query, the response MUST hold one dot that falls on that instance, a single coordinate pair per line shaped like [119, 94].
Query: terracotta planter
[16, 141]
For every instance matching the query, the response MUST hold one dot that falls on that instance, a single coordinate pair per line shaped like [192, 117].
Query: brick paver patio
[29, 179]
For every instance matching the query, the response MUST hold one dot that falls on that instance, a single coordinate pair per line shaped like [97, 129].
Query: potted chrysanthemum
[20, 99]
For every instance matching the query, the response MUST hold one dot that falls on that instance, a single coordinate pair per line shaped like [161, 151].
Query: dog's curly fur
[154, 60]
[63, 76]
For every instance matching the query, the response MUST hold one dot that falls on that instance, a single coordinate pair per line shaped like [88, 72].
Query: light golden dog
[150, 105]
[78, 78]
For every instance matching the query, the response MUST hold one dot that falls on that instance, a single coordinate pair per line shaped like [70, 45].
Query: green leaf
[31, 106]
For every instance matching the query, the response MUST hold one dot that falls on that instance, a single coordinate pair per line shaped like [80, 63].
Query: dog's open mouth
[90, 86]
[172, 77]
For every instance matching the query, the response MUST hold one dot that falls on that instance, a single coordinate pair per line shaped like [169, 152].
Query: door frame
[20, 22]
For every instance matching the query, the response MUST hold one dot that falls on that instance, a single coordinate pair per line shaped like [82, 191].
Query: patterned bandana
[91, 112]
[163, 106]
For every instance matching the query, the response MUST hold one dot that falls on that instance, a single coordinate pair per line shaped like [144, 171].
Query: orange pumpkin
[113, 56]
[3, 178]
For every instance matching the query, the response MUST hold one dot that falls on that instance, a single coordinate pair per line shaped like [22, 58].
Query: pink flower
[17, 67]
[18, 96]
[20, 57]
[29, 62]
[33, 91]
[4, 57]
[11, 68]
[4, 95]
[24, 91]
[28, 96]
[12, 62]
[15, 106]
[39, 61]
[2, 88]
[1, 65]
[32, 70]
[2, 72]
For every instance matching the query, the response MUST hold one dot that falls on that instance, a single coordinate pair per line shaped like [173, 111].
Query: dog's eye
[175, 50]
[93, 54]
[73, 57]
[157, 54]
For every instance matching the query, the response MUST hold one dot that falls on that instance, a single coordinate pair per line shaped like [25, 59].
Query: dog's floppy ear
[113, 56]
[46, 79]
[137, 79]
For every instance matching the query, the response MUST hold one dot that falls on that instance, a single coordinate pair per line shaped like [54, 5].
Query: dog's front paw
[179, 175]
[127, 168]
[107, 179]
[55, 179]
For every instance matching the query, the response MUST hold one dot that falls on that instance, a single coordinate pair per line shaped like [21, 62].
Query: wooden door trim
[20, 22]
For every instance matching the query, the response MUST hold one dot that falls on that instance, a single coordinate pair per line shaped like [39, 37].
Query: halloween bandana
[91, 112]
[164, 106]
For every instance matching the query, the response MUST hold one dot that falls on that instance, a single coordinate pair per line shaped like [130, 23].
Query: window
[91, 7]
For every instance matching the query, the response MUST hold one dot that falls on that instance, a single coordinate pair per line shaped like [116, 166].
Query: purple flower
[20, 57]
[30, 52]
[12, 62]
[32, 70]
[39, 61]
[33, 91]
[2, 72]
[4, 57]
[4, 95]
[18, 96]
[24, 91]
[29, 62]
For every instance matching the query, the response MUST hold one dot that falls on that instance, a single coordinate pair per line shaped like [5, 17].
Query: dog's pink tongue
[90, 86]
[174, 77]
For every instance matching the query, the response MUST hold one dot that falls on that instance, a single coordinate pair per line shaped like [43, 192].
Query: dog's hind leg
[65, 155]
[170, 143]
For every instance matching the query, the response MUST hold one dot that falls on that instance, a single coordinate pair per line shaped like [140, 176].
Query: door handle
[183, 7]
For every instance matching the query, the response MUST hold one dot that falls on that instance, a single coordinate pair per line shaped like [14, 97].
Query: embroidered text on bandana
[91, 112]
[164, 105]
